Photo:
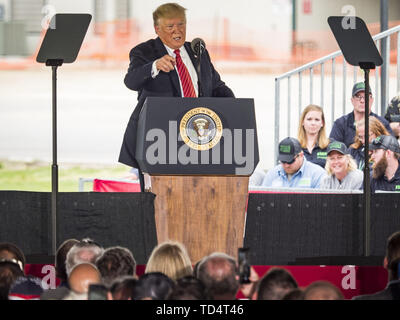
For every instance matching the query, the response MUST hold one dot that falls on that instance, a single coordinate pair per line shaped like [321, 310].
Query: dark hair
[12, 248]
[219, 283]
[9, 272]
[122, 288]
[295, 294]
[393, 247]
[393, 254]
[116, 262]
[61, 257]
[275, 284]
[189, 288]
[154, 285]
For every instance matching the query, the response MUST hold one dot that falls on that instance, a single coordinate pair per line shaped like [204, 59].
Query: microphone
[198, 46]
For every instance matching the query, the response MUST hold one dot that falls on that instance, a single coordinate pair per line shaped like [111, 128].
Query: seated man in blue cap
[294, 171]
[344, 128]
[386, 169]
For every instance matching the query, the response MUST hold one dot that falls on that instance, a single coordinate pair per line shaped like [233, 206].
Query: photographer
[393, 115]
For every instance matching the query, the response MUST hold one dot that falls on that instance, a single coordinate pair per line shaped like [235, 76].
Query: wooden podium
[200, 204]
[210, 217]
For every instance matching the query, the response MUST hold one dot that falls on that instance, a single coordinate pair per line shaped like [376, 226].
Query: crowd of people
[337, 163]
[87, 271]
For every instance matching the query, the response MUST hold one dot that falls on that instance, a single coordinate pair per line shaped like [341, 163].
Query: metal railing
[320, 64]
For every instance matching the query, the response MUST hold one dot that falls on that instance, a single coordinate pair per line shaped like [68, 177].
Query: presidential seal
[201, 128]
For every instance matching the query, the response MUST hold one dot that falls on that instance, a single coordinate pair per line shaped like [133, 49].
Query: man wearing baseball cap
[344, 128]
[342, 169]
[294, 171]
[386, 169]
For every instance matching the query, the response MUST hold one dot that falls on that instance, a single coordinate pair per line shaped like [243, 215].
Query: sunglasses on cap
[14, 261]
[377, 142]
[290, 162]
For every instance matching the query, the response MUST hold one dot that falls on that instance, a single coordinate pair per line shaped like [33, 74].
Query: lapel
[172, 74]
[193, 57]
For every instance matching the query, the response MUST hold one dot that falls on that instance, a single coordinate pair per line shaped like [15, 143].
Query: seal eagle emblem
[201, 128]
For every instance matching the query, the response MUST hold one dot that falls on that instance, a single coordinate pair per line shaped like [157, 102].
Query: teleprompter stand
[359, 49]
[61, 44]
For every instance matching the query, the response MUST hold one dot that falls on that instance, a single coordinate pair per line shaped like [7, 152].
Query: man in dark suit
[392, 264]
[166, 67]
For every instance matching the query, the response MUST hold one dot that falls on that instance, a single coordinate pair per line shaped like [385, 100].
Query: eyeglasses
[290, 162]
[376, 142]
[360, 97]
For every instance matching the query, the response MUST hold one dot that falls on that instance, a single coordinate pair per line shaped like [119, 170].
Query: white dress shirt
[188, 63]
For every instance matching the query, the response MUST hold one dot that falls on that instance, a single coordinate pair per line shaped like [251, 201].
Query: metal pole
[322, 84]
[311, 85]
[367, 189]
[398, 63]
[289, 108]
[333, 92]
[54, 168]
[277, 105]
[384, 68]
[300, 94]
[344, 98]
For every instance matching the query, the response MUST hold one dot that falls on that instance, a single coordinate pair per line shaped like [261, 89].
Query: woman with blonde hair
[356, 150]
[342, 172]
[170, 258]
[311, 134]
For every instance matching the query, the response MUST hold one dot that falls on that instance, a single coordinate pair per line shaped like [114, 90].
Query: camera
[244, 265]
[395, 118]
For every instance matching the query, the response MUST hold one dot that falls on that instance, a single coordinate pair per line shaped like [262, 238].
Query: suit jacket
[164, 84]
[391, 292]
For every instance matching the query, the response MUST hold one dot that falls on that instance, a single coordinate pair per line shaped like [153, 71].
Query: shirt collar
[171, 51]
[397, 173]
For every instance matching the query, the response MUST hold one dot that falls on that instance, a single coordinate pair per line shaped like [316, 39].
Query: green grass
[37, 176]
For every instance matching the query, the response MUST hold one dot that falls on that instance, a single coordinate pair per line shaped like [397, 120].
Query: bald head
[322, 290]
[82, 276]
[218, 267]
[218, 273]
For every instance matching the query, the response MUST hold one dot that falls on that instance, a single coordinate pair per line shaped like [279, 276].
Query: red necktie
[186, 80]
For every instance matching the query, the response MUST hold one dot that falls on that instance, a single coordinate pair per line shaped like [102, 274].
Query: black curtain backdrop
[282, 228]
[111, 219]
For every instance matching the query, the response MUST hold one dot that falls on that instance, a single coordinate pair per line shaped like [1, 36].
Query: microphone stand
[198, 67]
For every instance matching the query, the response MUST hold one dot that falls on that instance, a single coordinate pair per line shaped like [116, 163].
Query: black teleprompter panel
[111, 219]
[281, 228]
